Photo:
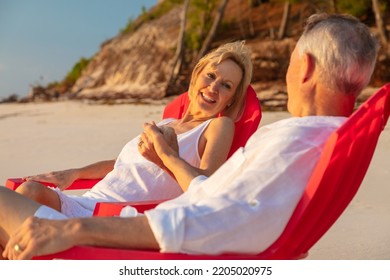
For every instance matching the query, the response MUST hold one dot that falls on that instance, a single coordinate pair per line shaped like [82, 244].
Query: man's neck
[329, 103]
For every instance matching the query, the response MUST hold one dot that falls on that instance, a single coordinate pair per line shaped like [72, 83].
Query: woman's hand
[155, 142]
[62, 179]
[36, 237]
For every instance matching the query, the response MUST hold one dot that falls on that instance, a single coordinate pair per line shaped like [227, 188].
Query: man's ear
[307, 67]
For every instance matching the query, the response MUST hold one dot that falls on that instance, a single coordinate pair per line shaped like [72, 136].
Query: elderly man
[245, 205]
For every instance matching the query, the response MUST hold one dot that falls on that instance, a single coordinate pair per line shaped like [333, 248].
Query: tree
[179, 55]
[251, 27]
[333, 6]
[379, 22]
[210, 36]
[283, 25]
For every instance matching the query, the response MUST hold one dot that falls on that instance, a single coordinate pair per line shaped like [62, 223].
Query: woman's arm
[215, 144]
[217, 140]
[95, 170]
[65, 178]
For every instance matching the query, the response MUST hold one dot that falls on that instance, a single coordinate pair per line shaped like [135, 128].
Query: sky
[41, 40]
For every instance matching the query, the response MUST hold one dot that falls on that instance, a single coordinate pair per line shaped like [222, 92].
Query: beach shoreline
[41, 137]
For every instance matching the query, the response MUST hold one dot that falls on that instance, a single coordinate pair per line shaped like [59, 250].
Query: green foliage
[54, 84]
[76, 71]
[356, 8]
[160, 10]
[199, 21]
[130, 27]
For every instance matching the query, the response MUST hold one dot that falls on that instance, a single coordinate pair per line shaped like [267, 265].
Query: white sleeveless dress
[134, 178]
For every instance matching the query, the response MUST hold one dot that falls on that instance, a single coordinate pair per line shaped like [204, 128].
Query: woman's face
[215, 87]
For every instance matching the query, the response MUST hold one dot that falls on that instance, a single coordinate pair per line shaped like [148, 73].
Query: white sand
[36, 138]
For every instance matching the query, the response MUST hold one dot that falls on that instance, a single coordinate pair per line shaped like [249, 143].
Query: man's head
[340, 52]
[344, 50]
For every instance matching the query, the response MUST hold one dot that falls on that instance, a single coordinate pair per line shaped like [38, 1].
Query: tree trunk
[210, 36]
[206, 17]
[283, 25]
[251, 27]
[333, 6]
[379, 22]
[240, 20]
[179, 55]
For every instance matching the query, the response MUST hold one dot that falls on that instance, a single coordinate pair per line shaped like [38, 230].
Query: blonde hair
[241, 55]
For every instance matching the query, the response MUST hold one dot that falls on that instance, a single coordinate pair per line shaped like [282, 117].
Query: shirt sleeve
[197, 181]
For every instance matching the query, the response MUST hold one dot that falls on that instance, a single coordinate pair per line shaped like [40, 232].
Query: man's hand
[36, 237]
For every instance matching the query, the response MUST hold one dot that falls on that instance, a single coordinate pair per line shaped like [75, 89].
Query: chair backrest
[336, 178]
[244, 127]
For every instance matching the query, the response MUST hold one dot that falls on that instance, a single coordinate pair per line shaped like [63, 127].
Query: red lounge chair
[312, 217]
[329, 185]
[244, 128]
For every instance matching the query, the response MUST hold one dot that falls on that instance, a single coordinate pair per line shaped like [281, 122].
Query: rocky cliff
[138, 65]
[133, 65]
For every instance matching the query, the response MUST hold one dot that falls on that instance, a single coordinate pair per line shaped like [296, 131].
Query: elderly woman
[217, 91]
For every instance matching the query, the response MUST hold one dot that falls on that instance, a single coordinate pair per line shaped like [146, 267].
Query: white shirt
[245, 205]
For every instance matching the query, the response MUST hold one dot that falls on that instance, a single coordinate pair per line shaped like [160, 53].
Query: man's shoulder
[298, 129]
[307, 122]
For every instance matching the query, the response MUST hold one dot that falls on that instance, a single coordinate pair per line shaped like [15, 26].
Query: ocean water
[41, 47]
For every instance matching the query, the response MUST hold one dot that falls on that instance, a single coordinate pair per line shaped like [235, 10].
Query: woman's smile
[206, 98]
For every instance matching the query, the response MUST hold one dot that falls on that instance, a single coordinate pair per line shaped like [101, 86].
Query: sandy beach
[37, 138]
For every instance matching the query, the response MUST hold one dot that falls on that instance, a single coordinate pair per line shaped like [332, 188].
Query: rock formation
[134, 65]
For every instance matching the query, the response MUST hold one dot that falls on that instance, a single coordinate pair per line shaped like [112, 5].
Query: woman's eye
[211, 75]
[227, 86]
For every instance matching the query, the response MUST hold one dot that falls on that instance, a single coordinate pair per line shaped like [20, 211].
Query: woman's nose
[214, 86]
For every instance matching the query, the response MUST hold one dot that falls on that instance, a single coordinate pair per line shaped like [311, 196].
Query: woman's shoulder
[223, 122]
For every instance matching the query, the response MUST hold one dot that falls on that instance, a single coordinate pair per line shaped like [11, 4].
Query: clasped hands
[155, 143]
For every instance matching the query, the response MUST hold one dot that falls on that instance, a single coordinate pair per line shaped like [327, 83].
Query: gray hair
[344, 50]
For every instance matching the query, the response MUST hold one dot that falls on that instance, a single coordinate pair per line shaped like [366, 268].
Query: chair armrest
[107, 209]
[14, 183]
[82, 184]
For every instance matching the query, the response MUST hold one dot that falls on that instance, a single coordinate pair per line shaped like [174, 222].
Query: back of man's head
[344, 51]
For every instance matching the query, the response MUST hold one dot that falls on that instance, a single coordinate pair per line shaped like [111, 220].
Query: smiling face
[214, 88]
